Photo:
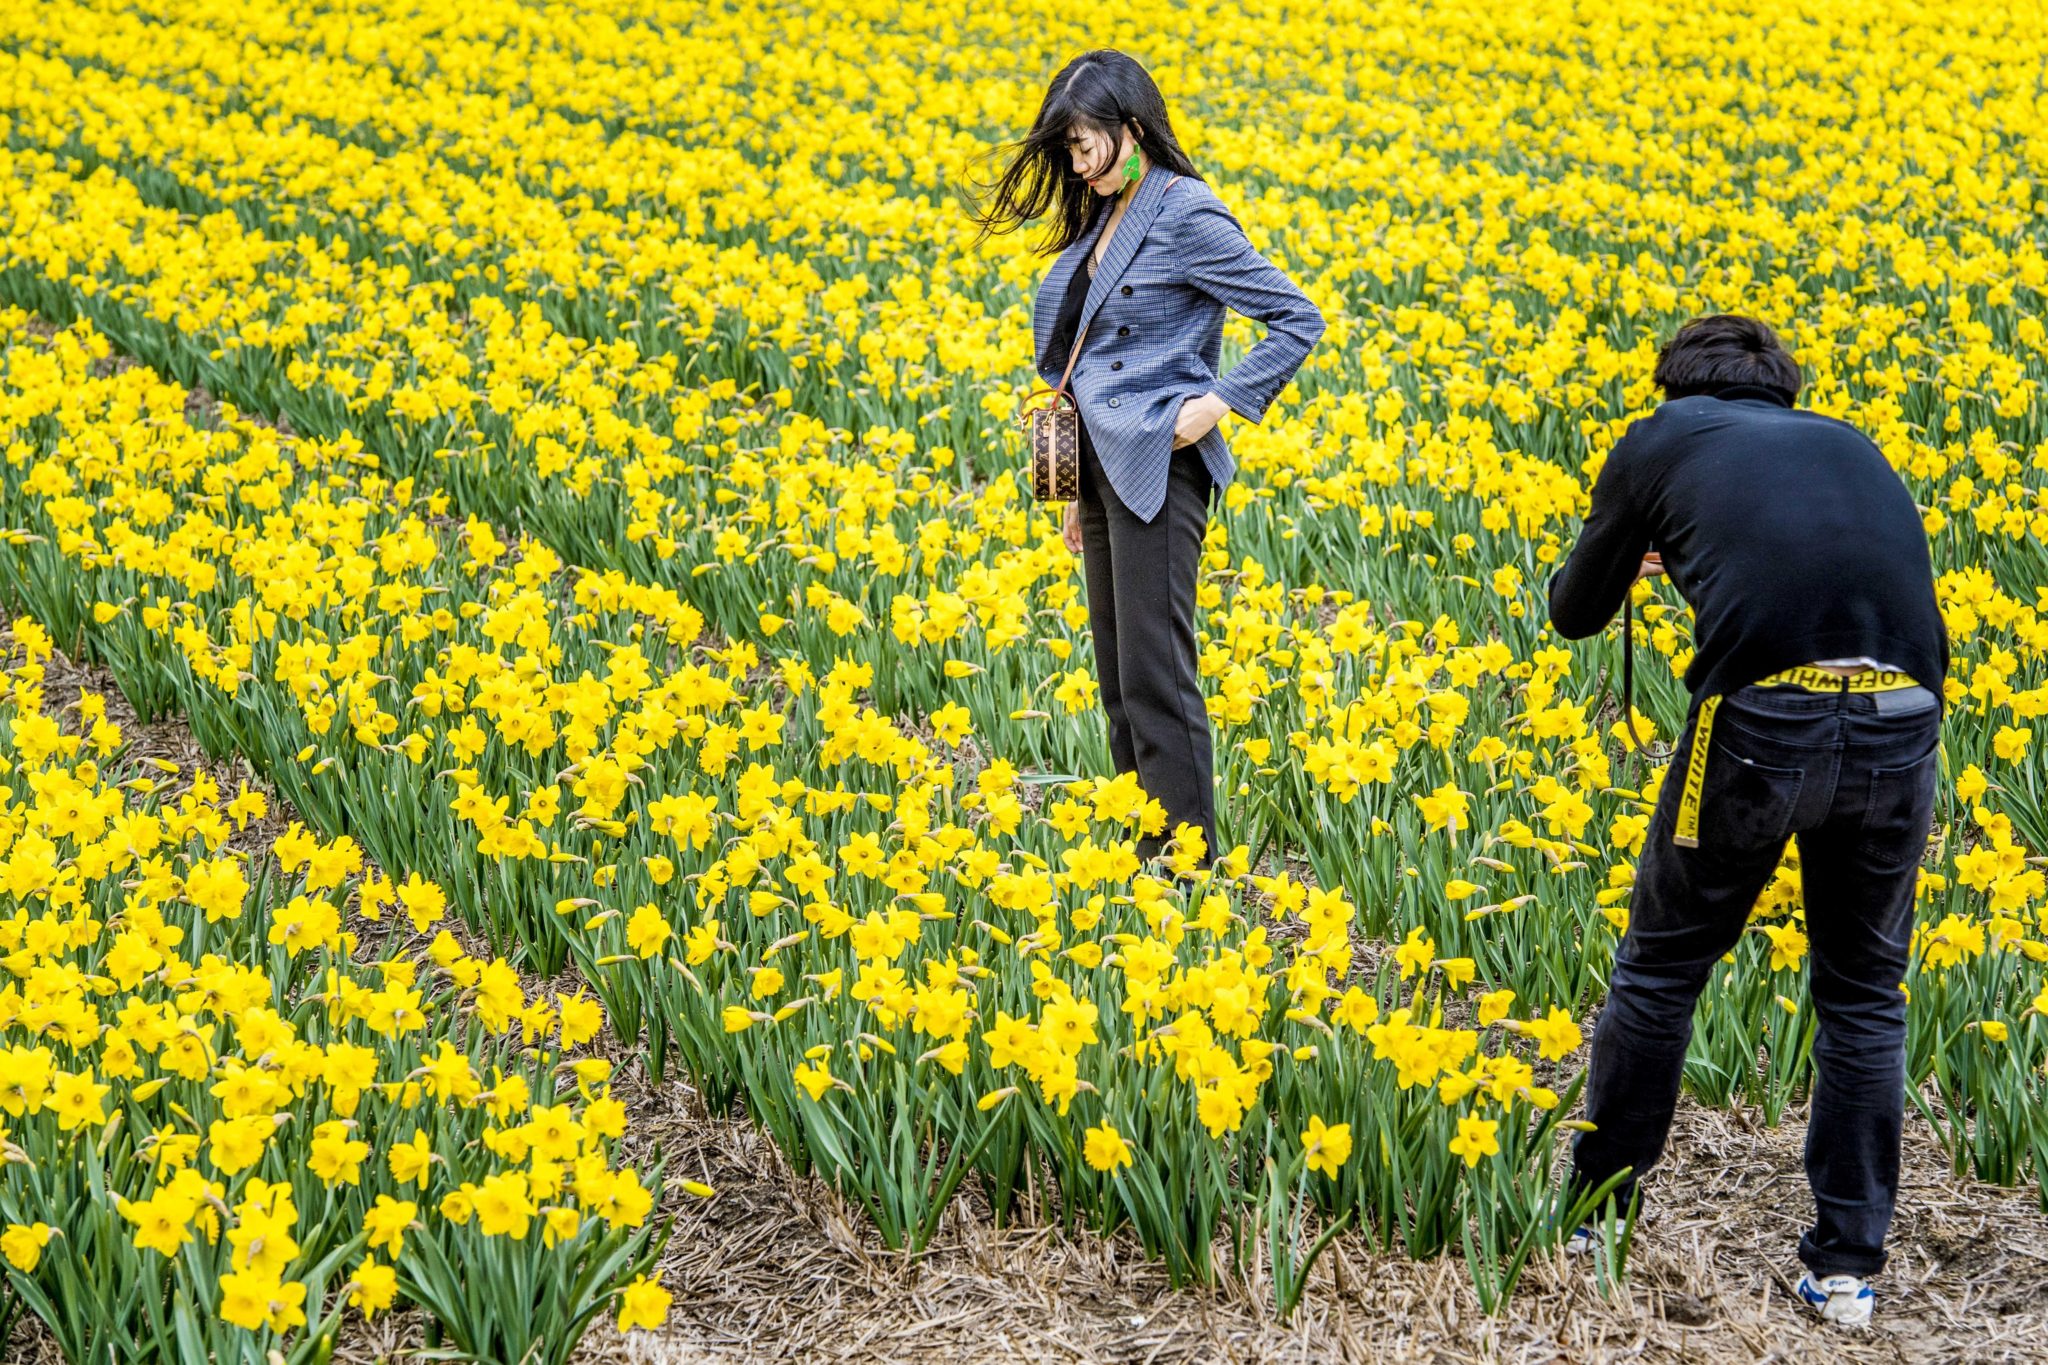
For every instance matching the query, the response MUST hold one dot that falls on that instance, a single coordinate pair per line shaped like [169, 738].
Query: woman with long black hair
[1148, 258]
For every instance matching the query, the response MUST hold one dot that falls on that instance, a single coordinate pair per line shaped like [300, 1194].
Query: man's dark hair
[1710, 354]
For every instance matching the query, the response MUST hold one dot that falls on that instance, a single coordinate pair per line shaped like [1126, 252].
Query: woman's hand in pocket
[1197, 418]
[1070, 525]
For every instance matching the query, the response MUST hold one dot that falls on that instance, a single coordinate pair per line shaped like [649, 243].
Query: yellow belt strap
[1820, 680]
[1686, 833]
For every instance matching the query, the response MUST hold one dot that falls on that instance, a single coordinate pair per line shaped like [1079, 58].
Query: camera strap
[1656, 753]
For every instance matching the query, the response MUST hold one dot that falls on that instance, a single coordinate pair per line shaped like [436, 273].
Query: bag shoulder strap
[1074, 354]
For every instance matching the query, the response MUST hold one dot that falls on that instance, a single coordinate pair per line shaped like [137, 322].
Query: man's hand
[1653, 564]
[1070, 525]
[1197, 418]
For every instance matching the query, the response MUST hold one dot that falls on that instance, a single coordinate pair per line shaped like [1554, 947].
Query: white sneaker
[1846, 1299]
[1582, 1241]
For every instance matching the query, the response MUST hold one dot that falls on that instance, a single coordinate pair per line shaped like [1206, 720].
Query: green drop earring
[1131, 167]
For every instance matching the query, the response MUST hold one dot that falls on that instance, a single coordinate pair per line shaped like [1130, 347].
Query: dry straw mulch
[776, 1269]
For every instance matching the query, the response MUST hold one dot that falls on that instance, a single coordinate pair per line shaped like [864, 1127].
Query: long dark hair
[1105, 90]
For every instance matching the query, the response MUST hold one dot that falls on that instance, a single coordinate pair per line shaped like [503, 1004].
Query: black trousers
[1853, 777]
[1141, 612]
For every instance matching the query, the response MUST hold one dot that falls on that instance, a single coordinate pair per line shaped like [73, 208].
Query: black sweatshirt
[1788, 532]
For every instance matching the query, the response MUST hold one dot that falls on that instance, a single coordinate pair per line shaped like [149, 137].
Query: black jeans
[1141, 613]
[1853, 777]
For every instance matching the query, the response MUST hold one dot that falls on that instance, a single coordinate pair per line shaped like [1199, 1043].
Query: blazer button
[1123, 331]
[1127, 289]
[1116, 364]
[1112, 402]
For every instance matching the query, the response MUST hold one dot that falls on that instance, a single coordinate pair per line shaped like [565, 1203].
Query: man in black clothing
[1822, 651]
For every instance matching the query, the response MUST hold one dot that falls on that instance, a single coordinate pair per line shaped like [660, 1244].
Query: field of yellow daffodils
[566, 454]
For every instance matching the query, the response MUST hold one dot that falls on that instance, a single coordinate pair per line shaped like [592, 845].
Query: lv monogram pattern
[1055, 441]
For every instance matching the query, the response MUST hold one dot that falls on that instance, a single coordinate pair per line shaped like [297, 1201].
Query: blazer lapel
[1124, 245]
[1055, 289]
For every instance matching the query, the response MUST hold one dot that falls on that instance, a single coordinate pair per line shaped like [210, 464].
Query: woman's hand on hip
[1197, 418]
[1070, 525]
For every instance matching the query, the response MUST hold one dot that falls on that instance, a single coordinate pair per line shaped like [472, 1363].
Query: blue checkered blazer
[1154, 319]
